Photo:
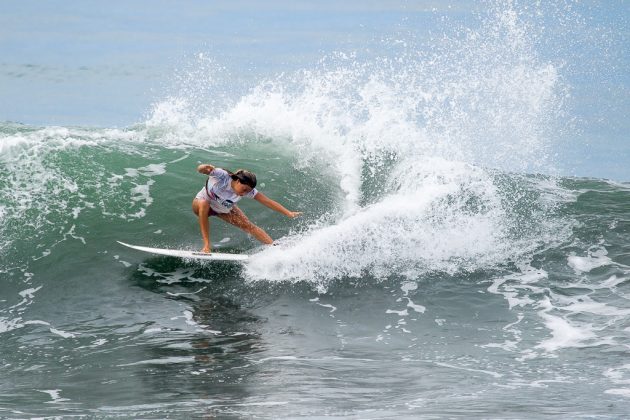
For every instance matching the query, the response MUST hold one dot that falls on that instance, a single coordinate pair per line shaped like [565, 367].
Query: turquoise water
[463, 249]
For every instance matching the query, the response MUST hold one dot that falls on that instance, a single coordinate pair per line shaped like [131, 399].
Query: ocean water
[462, 170]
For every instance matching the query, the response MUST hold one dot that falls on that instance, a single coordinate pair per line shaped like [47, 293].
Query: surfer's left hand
[293, 214]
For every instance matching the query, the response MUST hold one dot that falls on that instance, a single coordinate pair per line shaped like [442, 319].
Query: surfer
[222, 191]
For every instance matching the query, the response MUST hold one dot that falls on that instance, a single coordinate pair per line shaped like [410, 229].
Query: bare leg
[237, 218]
[202, 209]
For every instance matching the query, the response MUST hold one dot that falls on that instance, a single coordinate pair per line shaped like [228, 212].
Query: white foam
[564, 333]
[596, 259]
[408, 286]
[142, 193]
[185, 293]
[266, 359]
[624, 392]
[153, 169]
[426, 223]
[189, 317]
[327, 305]
[61, 333]
[485, 372]
[7, 324]
[39, 179]
[418, 308]
[55, 395]
[29, 293]
[162, 361]
[613, 281]
[583, 304]
[619, 375]
[399, 313]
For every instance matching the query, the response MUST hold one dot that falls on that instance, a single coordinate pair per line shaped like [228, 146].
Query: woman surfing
[222, 191]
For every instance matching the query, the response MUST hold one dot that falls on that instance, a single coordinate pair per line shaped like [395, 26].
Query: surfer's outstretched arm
[274, 205]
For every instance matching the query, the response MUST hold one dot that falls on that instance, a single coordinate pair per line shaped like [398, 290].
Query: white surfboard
[182, 253]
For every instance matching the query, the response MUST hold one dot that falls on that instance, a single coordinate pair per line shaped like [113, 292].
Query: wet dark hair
[244, 177]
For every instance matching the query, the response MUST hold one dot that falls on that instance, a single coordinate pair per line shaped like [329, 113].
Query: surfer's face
[240, 189]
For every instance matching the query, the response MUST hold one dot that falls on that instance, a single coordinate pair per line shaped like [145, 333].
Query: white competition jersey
[219, 193]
